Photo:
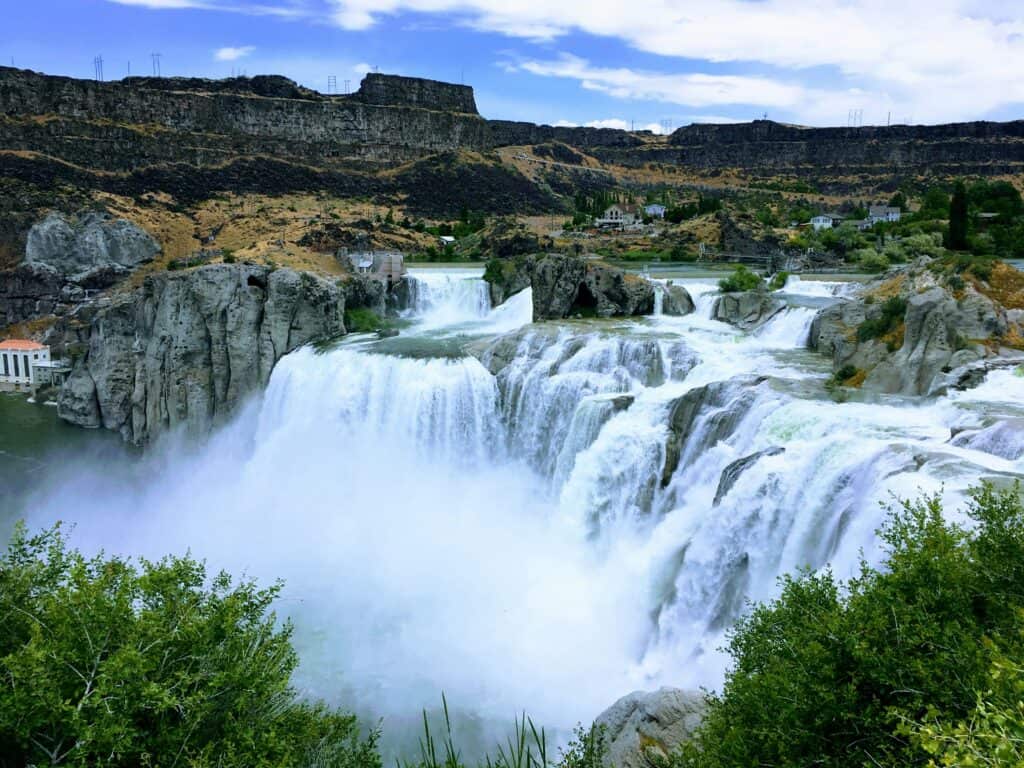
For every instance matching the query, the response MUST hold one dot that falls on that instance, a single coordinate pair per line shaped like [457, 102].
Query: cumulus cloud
[692, 89]
[231, 53]
[933, 59]
[936, 59]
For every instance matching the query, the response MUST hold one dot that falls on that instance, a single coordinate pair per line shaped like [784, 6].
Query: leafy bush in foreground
[742, 279]
[103, 662]
[839, 675]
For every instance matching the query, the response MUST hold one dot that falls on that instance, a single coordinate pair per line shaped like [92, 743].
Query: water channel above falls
[497, 520]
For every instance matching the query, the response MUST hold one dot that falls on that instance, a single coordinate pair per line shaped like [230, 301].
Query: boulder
[186, 348]
[723, 404]
[747, 309]
[1003, 438]
[556, 282]
[939, 333]
[676, 300]
[733, 471]
[643, 728]
[568, 285]
[90, 247]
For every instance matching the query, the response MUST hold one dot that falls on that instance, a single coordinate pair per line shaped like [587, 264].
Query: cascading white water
[447, 297]
[789, 328]
[515, 539]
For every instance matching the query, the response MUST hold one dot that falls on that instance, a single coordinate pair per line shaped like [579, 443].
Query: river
[514, 540]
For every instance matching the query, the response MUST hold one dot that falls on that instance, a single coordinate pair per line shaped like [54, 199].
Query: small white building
[880, 213]
[821, 222]
[18, 361]
[655, 210]
[620, 215]
[445, 240]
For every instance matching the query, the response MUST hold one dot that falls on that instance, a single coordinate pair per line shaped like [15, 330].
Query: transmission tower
[97, 64]
[332, 84]
[346, 86]
[156, 64]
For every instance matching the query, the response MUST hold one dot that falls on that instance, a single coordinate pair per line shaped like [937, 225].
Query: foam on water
[515, 540]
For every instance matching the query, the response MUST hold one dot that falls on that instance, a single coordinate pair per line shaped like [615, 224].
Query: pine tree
[958, 218]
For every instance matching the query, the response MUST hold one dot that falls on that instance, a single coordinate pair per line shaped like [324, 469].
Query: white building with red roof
[18, 361]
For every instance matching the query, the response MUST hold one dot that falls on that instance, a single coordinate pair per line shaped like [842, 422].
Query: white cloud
[936, 59]
[933, 59]
[231, 53]
[693, 89]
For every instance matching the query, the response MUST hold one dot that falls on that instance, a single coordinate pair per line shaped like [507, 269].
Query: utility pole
[156, 64]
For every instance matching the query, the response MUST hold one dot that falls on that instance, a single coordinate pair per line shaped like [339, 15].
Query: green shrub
[845, 373]
[778, 281]
[742, 279]
[363, 320]
[871, 260]
[105, 662]
[835, 675]
[893, 311]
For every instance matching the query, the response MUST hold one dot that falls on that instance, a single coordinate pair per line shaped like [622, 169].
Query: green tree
[934, 205]
[104, 662]
[993, 732]
[958, 218]
[830, 675]
[898, 200]
[741, 279]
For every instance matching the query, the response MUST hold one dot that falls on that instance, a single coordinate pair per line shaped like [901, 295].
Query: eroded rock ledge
[565, 286]
[910, 331]
[186, 348]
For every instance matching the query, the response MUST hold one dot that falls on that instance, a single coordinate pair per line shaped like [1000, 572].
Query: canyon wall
[142, 121]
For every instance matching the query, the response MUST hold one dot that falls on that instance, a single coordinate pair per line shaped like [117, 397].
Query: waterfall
[441, 298]
[788, 329]
[454, 508]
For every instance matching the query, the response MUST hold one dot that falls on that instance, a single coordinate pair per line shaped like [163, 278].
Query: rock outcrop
[722, 405]
[747, 309]
[643, 728]
[90, 248]
[1003, 438]
[676, 300]
[733, 471]
[185, 349]
[926, 330]
[65, 258]
[567, 286]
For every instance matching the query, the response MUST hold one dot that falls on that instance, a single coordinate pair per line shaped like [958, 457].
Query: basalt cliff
[396, 137]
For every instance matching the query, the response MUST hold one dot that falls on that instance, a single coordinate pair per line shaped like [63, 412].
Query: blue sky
[643, 62]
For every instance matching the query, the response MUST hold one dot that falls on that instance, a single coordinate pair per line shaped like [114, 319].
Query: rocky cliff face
[566, 286]
[89, 246]
[139, 122]
[393, 90]
[394, 120]
[932, 331]
[186, 348]
[67, 256]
